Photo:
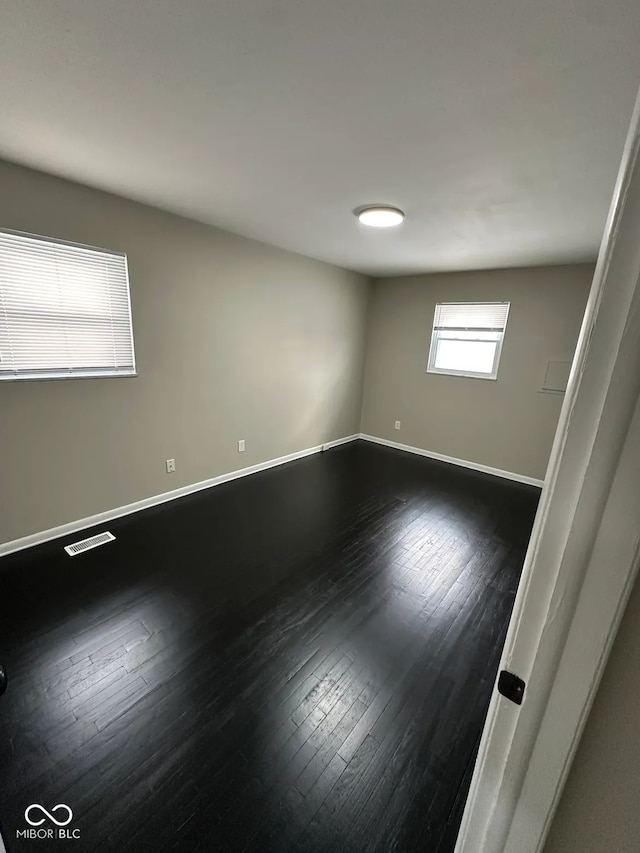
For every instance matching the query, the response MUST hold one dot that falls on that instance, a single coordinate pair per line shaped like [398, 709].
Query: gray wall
[508, 423]
[234, 339]
[599, 811]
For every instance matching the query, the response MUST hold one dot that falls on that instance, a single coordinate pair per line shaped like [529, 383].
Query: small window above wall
[467, 338]
[64, 310]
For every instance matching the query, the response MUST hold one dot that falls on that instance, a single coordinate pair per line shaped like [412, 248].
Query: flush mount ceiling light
[380, 216]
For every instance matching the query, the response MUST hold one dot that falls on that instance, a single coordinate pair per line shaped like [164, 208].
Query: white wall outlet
[396, 425]
[241, 446]
[171, 466]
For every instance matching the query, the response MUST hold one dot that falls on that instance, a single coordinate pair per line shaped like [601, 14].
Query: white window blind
[467, 338]
[64, 310]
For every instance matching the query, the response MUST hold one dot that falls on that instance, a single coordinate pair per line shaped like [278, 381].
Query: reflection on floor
[299, 660]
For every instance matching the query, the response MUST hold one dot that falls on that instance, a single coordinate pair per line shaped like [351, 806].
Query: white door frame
[582, 557]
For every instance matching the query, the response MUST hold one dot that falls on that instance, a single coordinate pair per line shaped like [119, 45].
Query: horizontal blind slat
[486, 316]
[64, 309]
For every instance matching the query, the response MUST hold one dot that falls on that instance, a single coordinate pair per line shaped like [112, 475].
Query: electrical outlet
[241, 446]
[171, 466]
[396, 425]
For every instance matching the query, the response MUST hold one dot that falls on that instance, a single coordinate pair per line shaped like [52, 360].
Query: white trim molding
[582, 558]
[463, 463]
[154, 500]
[338, 442]
[102, 517]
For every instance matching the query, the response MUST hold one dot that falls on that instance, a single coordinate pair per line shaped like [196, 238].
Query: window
[467, 338]
[64, 310]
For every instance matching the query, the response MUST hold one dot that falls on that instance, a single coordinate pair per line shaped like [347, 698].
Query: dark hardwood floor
[298, 660]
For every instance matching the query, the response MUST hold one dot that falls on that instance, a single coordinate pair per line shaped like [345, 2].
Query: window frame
[470, 374]
[49, 374]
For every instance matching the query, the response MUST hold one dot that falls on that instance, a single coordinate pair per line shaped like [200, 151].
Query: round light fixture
[380, 216]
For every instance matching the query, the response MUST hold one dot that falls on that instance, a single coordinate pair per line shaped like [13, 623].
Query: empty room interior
[290, 295]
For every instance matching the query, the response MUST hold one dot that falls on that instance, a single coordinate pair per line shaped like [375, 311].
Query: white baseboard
[338, 442]
[154, 500]
[474, 466]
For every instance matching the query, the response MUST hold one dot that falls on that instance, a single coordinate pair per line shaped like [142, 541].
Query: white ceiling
[497, 125]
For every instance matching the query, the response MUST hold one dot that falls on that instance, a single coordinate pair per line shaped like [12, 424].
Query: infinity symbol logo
[48, 814]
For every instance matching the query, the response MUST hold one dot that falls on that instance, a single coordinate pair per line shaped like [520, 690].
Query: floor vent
[87, 544]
